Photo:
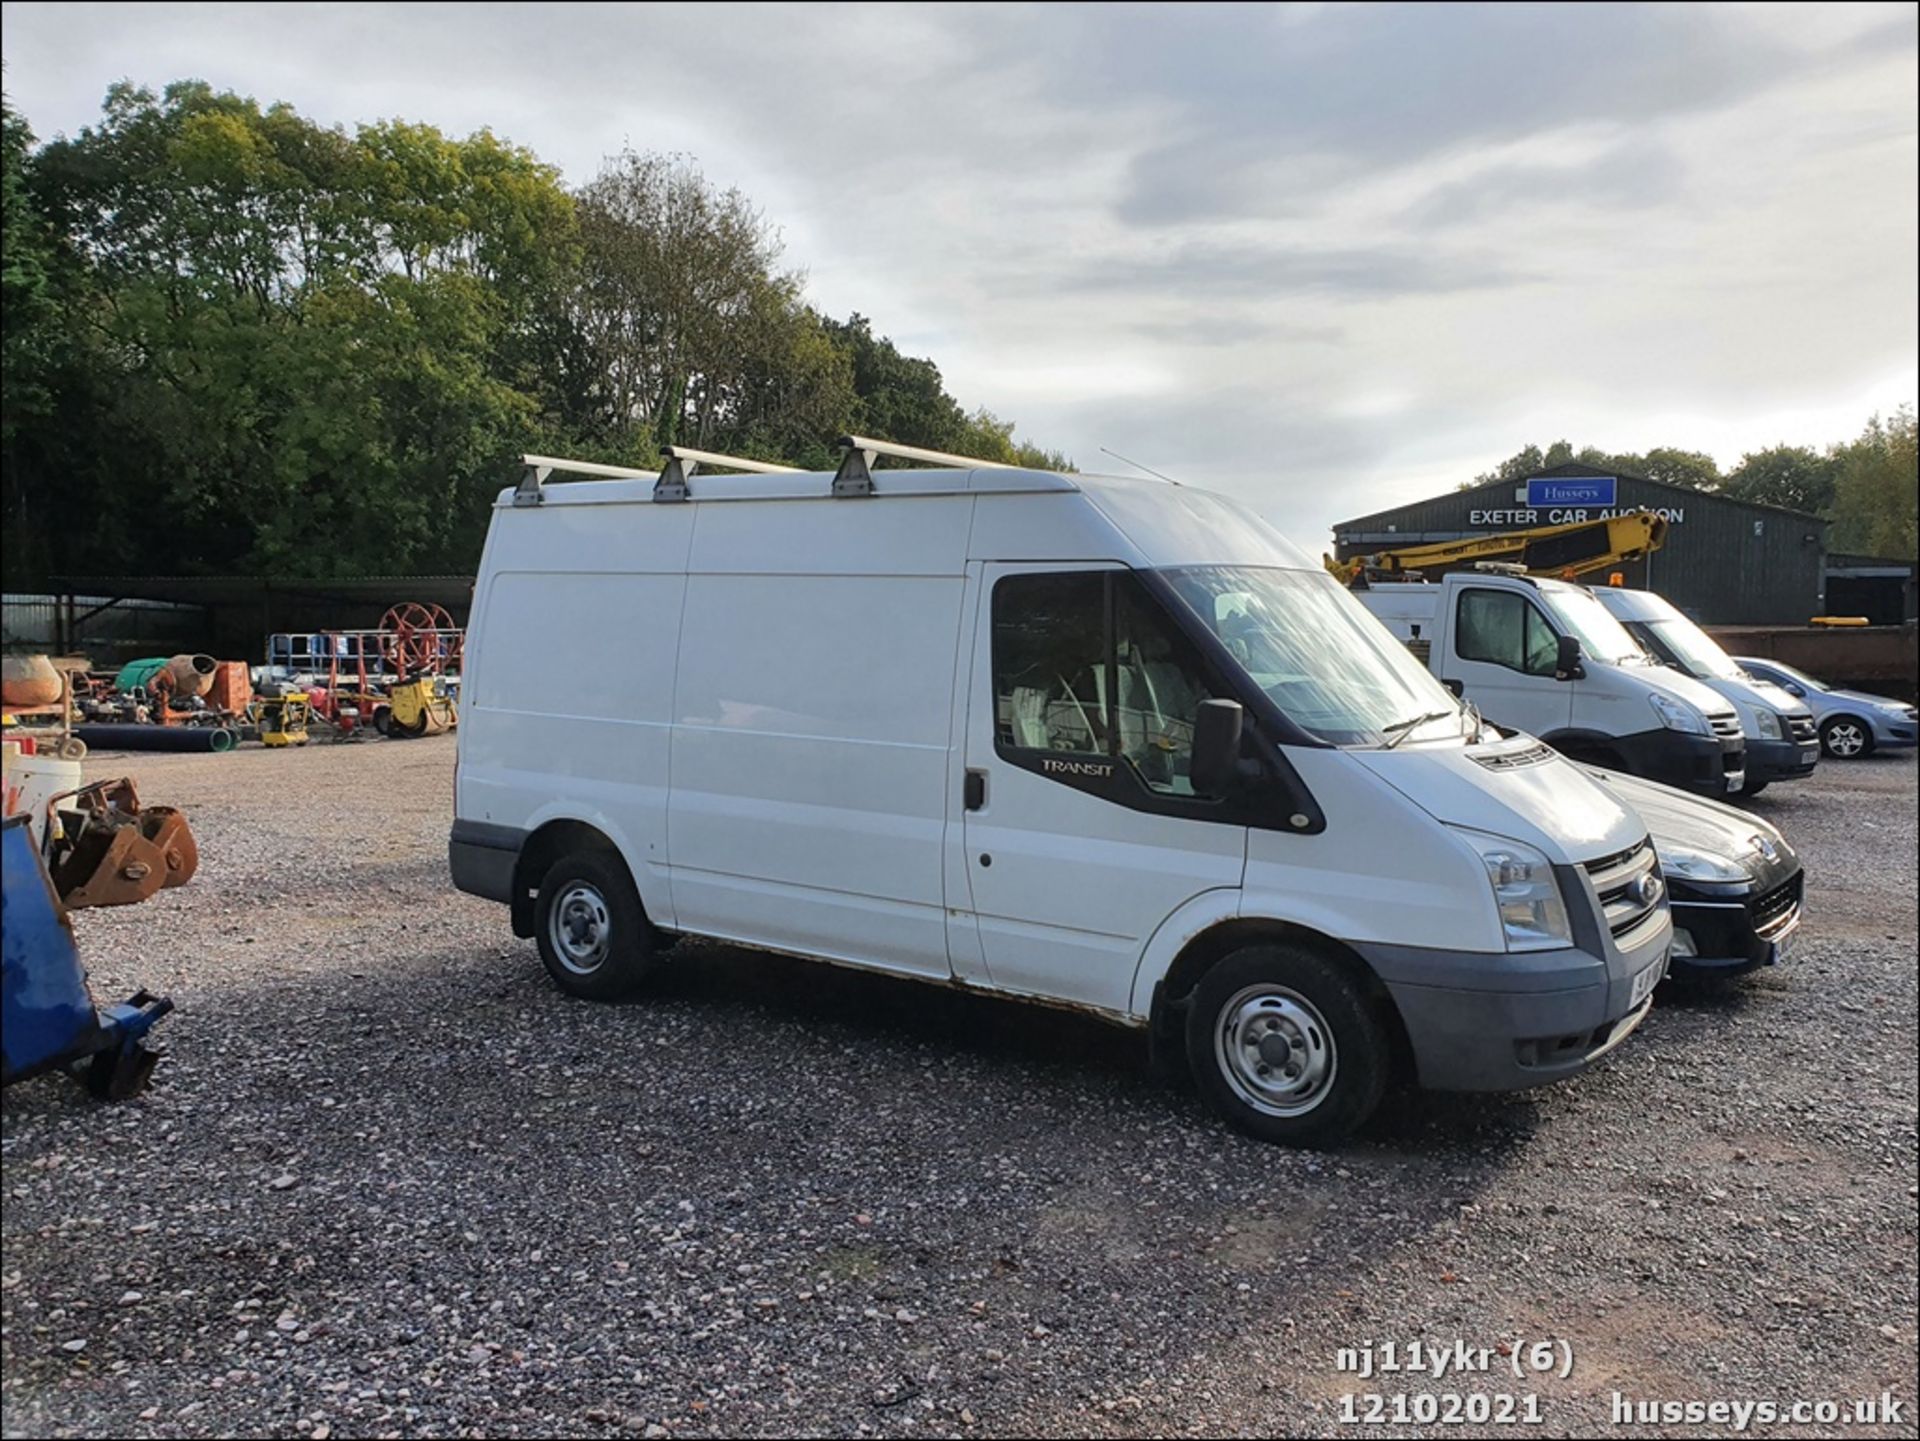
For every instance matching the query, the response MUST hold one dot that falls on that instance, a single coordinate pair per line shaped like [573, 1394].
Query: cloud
[1632, 176]
[1253, 272]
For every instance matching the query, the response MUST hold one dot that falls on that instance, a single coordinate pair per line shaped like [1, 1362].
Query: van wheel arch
[1166, 1026]
[545, 846]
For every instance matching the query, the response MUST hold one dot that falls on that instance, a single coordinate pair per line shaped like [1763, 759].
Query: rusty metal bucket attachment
[115, 853]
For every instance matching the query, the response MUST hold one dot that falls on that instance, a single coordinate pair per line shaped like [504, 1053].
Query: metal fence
[105, 629]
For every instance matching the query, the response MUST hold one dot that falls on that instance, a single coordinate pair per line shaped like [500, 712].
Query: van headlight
[1678, 715]
[1697, 865]
[1769, 724]
[1525, 892]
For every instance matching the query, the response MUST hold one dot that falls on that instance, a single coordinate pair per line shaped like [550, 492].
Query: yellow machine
[1568, 551]
[419, 707]
[282, 719]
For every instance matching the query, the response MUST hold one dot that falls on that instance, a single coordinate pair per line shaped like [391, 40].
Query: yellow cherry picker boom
[1569, 551]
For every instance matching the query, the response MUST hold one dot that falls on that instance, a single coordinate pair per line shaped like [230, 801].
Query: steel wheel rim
[579, 928]
[1276, 1050]
[1846, 739]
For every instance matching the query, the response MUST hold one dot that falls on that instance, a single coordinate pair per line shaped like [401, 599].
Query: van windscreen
[1335, 670]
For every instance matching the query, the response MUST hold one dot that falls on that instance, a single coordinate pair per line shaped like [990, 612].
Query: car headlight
[1678, 715]
[1697, 865]
[1532, 915]
[1769, 725]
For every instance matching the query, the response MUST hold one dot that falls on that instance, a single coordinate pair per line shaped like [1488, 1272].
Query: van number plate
[1644, 983]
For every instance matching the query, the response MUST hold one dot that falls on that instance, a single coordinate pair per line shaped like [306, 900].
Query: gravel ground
[389, 1181]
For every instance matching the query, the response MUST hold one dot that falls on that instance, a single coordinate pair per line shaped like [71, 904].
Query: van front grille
[1802, 728]
[1725, 726]
[1620, 882]
[1511, 760]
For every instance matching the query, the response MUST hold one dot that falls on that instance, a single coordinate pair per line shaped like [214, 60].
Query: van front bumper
[1480, 1022]
[1781, 760]
[1709, 765]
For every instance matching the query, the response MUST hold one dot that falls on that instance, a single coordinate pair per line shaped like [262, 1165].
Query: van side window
[1503, 628]
[1087, 663]
[1160, 690]
[1049, 649]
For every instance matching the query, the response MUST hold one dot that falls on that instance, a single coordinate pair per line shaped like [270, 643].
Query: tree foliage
[1866, 486]
[1795, 476]
[1876, 489]
[239, 340]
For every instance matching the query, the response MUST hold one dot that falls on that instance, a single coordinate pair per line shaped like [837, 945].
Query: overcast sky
[1327, 259]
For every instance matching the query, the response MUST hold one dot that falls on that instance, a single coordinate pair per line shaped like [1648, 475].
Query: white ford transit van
[1103, 743]
[1543, 656]
[1783, 743]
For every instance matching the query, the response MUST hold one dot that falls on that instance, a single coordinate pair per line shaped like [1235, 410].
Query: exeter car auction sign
[1565, 500]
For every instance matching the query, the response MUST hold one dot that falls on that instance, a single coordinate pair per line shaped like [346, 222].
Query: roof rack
[855, 476]
[671, 484]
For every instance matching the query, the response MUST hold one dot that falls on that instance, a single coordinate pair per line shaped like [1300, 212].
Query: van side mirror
[1794, 688]
[1216, 746]
[1566, 665]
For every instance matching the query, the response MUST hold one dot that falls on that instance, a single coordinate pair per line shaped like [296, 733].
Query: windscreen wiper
[1399, 730]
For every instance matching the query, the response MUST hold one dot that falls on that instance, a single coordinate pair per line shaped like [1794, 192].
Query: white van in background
[1103, 743]
[1783, 742]
[1543, 656]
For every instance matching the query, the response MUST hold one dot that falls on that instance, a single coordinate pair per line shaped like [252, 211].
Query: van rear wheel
[1286, 1046]
[593, 933]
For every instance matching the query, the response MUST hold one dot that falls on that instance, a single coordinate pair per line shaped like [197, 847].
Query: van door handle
[974, 791]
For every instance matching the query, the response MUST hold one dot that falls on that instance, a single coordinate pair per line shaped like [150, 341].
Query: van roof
[1628, 604]
[1166, 523]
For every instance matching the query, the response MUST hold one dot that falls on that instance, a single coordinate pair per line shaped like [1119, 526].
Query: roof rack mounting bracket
[855, 475]
[528, 491]
[674, 475]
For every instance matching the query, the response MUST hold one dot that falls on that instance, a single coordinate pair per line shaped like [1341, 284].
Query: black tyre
[593, 933]
[1287, 1046]
[1846, 737]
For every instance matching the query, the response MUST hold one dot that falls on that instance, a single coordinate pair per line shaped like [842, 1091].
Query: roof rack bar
[670, 484]
[539, 467]
[732, 462]
[683, 461]
[855, 476]
[914, 452]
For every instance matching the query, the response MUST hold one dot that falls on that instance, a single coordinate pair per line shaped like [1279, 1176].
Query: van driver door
[1080, 830]
[1503, 654]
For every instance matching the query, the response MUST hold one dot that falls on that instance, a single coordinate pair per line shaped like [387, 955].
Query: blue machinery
[48, 1018]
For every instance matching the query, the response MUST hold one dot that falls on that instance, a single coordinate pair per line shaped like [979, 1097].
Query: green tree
[1795, 476]
[26, 301]
[1676, 467]
[1876, 490]
[302, 346]
[238, 339]
[1692, 468]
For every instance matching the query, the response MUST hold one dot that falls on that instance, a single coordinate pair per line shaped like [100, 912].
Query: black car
[1735, 884]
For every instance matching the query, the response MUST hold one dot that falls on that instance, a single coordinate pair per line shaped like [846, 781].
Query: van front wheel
[1286, 1046]
[593, 933]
